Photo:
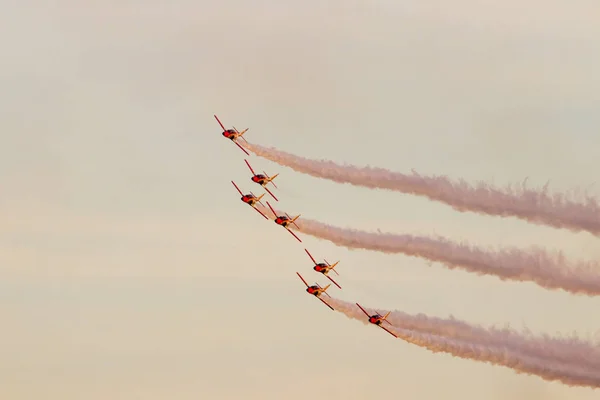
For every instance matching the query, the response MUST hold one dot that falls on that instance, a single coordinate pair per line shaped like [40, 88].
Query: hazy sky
[129, 269]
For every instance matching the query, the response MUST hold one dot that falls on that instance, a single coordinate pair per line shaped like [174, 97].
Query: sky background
[129, 268]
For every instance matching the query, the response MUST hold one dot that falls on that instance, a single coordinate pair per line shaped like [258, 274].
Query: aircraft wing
[363, 310]
[238, 189]
[273, 211]
[248, 164]
[334, 282]
[217, 118]
[260, 212]
[388, 331]
[243, 149]
[324, 302]
[293, 234]
[300, 276]
[272, 195]
[311, 257]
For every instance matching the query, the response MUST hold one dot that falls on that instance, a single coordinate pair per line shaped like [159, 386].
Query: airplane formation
[285, 221]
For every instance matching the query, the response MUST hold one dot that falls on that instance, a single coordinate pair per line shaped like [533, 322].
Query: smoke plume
[542, 357]
[546, 269]
[537, 206]
[565, 350]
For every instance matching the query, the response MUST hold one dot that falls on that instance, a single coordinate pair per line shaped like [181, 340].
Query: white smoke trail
[536, 206]
[566, 350]
[548, 270]
[569, 373]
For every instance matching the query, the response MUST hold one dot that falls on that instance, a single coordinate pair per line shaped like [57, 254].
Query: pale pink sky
[130, 269]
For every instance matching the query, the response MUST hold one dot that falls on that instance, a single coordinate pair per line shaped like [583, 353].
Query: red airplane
[251, 199]
[233, 135]
[316, 290]
[378, 319]
[324, 268]
[263, 180]
[285, 221]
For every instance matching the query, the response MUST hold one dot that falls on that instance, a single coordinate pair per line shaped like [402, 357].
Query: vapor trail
[537, 206]
[476, 348]
[548, 270]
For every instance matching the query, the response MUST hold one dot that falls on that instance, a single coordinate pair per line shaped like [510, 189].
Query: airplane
[324, 268]
[233, 135]
[285, 221]
[316, 290]
[378, 319]
[251, 199]
[263, 180]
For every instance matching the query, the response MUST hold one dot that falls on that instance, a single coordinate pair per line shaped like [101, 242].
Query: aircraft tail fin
[385, 317]
[270, 178]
